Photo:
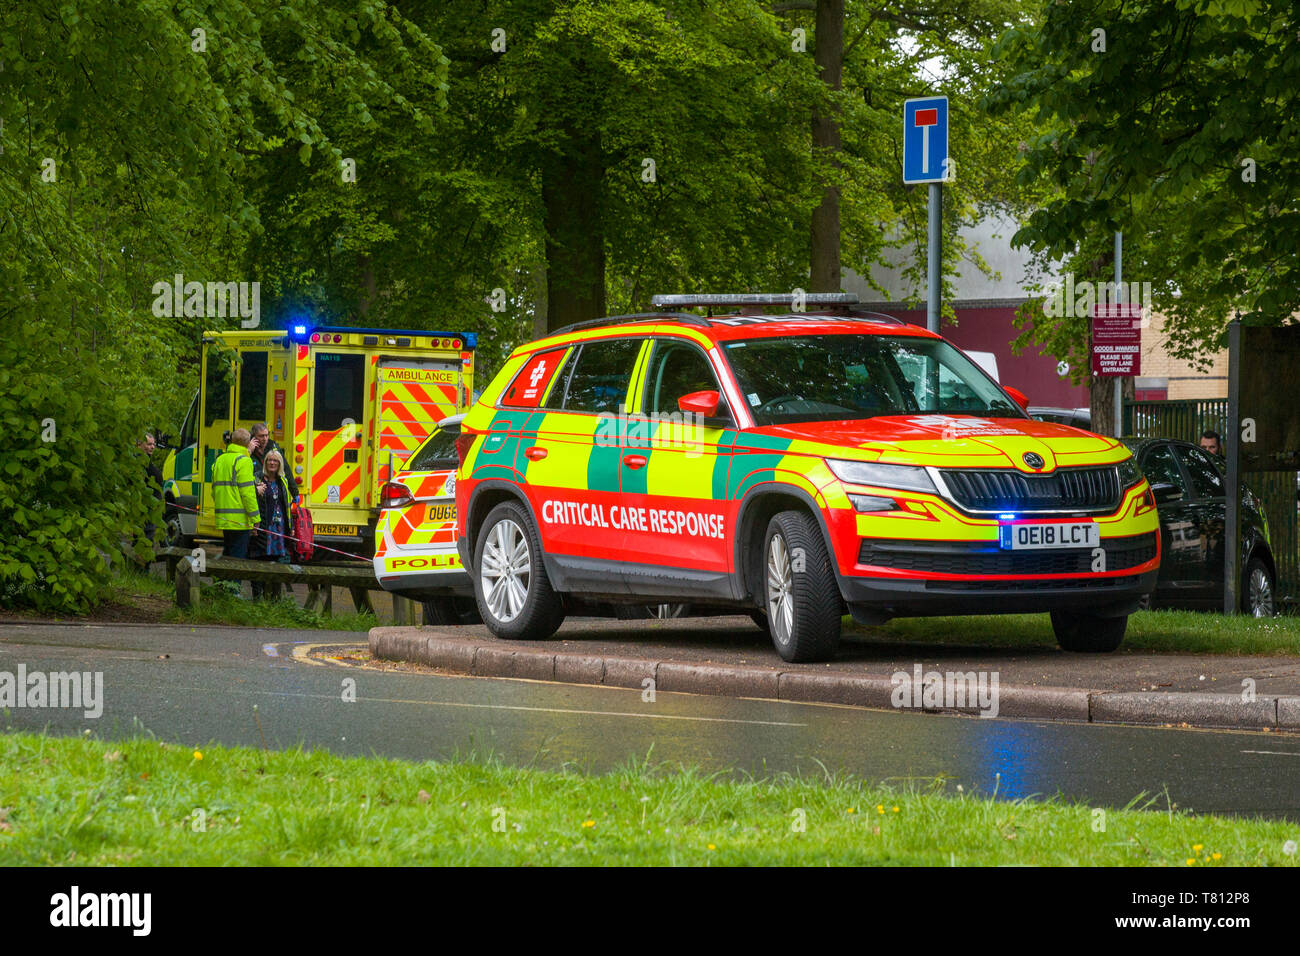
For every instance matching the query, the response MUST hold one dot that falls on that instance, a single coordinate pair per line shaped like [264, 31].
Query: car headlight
[1129, 473]
[904, 477]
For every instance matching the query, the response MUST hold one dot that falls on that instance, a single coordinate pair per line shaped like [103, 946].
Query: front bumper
[919, 597]
[925, 557]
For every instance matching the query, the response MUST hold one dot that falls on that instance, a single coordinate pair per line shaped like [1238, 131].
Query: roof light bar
[711, 300]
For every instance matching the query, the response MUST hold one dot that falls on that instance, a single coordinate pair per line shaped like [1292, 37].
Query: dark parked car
[1188, 485]
[1075, 417]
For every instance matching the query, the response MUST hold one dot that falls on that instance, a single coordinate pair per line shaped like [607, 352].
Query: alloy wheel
[780, 582]
[507, 567]
[1261, 594]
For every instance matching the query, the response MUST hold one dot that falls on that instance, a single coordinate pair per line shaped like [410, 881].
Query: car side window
[1205, 477]
[601, 376]
[677, 369]
[1161, 468]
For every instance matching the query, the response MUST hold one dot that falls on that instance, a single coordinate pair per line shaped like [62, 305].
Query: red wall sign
[1117, 339]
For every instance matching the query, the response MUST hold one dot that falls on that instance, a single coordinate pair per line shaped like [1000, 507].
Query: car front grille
[1076, 490]
[961, 557]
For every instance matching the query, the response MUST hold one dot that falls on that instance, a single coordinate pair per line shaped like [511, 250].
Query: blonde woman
[273, 498]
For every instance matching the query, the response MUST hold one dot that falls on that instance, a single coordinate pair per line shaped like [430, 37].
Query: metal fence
[1187, 419]
[1184, 419]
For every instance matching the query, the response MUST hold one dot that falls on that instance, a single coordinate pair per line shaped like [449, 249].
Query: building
[985, 307]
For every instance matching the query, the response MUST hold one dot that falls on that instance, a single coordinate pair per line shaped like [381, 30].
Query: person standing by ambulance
[261, 446]
[234, 495]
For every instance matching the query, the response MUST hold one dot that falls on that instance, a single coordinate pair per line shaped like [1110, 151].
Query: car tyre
[799, 589]
[1084, 633]
[514, 596]
[451, 612]
[1258, 590]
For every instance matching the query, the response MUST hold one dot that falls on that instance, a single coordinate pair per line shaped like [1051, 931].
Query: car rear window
[438, 453]
[600, 377]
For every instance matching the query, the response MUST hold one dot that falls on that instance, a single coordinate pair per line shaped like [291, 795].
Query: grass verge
[138, 597]
[219, 607]
[1188, 632]
[86, 802]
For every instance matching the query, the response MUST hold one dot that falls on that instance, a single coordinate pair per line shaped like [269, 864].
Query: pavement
[730, 657]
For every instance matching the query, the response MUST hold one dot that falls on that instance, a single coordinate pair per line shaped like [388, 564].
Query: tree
[128, 133]
[824, 253]
[1168, 120]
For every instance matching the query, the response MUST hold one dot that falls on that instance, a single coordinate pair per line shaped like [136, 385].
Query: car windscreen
[845, 377]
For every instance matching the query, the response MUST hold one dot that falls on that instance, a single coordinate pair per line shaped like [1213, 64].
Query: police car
[415, 537]
[801, 465]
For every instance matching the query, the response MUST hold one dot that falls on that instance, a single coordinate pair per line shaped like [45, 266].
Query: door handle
[634, 461]
[535, 453]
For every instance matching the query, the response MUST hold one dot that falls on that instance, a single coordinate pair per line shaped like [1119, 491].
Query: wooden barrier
[320, 579]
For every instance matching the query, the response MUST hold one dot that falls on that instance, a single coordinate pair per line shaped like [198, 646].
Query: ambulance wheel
[799, 589]
[514, 595]
[1088, 633]
[451, 611]
[173, 536]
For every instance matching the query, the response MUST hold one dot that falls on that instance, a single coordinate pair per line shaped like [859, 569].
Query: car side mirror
[1017, 396]
[700, 403]
[1165, 492]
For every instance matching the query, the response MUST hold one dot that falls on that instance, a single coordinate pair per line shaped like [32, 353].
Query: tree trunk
[1101, 402]
[828, 54]
[572, 185]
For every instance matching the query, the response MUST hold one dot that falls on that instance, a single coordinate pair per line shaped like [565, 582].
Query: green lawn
[1177, 631]
[86, 802]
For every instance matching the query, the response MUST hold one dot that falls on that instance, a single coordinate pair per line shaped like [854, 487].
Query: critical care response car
[415, 539]
[800, 464]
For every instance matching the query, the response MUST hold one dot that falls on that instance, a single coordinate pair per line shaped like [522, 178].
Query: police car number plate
[441, 513]
[1033, 537]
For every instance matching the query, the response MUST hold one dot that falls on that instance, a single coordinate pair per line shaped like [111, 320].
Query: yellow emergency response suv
[347, 406]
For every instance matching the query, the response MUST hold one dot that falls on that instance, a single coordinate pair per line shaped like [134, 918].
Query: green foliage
[1160, 135]
[124, 160]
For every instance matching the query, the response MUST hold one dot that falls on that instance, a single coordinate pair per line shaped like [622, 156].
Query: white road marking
[1275, 753]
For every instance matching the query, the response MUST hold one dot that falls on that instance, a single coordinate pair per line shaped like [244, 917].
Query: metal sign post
[1232, 500]
[1119, 298]
[925, 160]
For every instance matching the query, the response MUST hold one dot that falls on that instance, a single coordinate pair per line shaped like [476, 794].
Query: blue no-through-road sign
[925, 140]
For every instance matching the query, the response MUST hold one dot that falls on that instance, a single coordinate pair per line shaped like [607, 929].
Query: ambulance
[800, 465]
[346, 406]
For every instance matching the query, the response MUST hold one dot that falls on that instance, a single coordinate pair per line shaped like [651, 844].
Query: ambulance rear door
[411, 396]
